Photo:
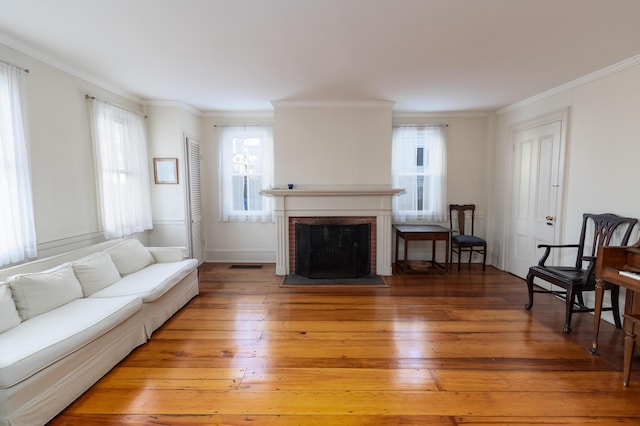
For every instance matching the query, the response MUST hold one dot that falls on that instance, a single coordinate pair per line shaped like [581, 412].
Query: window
[246, 168]
[418, 166]
[17, 227]
[120, 142]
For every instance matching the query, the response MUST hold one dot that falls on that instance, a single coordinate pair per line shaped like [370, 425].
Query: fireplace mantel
[328, 192]
[332, 202]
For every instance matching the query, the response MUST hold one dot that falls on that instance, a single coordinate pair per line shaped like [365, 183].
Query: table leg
[433, 254]
[629, 346]
[596, 318]
[446, 255]
[397, 239]
[406, 253]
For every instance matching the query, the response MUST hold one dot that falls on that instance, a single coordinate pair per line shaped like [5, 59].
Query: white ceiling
[239, 55]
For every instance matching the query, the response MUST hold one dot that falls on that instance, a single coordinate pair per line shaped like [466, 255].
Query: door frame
[186, 139]
[561, 115]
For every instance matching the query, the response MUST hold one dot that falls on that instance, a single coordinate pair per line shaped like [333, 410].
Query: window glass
[246, 158]
[419, 167]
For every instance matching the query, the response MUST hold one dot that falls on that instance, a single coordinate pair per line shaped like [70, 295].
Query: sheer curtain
[18, 233]
[120, 143]
[419, 166]
[245, 169]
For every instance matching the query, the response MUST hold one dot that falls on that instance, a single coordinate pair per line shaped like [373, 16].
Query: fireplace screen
[332, 250]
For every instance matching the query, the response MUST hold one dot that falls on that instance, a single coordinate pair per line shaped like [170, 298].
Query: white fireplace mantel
[332, 202]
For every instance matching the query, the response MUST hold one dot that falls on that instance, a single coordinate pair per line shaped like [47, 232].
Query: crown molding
[332, 104]
[37, 54]
[238, 114]
[589, 78]
[450, 114]
[172, 104]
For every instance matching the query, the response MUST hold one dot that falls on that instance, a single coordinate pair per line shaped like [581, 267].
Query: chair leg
[450, 254]
[459, 256]
[570, 301]
[615, 305]
[484, 257]
[530, 289]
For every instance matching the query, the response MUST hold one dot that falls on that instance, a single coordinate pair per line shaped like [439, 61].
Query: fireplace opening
[332, 250]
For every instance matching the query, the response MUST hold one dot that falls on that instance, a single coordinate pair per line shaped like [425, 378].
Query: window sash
[245, 169]
[18, 240]
[120, 143]
[419, 167]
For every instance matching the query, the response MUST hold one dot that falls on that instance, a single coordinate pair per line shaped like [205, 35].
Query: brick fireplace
[333, 220]
[348, 205]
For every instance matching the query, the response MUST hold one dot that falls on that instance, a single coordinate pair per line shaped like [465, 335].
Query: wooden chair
[463, 242]
[580, 277]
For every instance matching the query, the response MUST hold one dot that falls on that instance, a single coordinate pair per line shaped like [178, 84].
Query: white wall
[332, 144]
[311, 150]
[602, 150]
[230, 241]
[62, 163]
[169, 124]
[467, 139]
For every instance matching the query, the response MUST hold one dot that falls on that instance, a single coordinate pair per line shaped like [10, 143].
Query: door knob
[549, 218]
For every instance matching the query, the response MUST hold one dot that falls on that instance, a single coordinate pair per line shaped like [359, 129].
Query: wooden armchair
[580, 277]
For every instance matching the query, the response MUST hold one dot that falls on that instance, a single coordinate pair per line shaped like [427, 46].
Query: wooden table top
[416, 229]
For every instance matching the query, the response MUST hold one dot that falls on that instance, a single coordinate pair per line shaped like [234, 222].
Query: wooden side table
[432, 233]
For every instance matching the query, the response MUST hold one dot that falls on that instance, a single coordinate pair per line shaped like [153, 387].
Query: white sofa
[66, 320]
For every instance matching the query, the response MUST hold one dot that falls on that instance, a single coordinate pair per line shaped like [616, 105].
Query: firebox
[329, 250]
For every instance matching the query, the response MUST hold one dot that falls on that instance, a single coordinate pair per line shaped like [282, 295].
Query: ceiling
[240, 55]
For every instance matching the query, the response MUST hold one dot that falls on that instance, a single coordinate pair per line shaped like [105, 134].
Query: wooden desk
[432, 233]
[609, 263]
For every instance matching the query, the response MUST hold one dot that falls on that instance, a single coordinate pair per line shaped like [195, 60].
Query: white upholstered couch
[66, 320]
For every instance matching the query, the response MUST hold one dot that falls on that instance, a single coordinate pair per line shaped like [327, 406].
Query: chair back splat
[598, 230]
[461, 241]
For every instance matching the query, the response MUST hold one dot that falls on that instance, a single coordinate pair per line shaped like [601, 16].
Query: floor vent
[245, 267]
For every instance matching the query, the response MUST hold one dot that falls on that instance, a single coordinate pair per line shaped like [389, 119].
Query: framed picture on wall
[165, 170]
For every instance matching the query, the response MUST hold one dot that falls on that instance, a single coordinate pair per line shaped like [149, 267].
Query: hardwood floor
[455, 349]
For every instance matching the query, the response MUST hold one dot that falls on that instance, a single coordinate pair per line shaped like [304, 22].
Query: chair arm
[590, 270]
[548, 248]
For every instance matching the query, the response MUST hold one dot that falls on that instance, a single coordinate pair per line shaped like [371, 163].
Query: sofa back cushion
[95, 272]
[130, 256]
[40, 292]
[9, 317]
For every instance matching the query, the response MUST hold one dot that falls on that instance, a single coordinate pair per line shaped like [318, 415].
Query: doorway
[196, 234]
[537, 192]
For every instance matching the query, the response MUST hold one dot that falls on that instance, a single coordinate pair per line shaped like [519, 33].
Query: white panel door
[195, 205]
[536, 194]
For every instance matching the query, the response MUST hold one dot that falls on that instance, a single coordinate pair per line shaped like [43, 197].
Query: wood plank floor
[455, 349]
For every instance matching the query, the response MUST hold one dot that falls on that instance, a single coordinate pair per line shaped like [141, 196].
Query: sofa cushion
[130, 256]
[95, 272]
[9, 317]
[41, 341]
[151, 282]
[40, 292]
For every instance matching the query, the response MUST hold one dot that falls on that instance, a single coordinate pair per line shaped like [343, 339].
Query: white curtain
[18, 233]
[245, 169]
[120, 143]
[419, 166]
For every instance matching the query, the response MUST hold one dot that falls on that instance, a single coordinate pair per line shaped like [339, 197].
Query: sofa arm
[167, 254]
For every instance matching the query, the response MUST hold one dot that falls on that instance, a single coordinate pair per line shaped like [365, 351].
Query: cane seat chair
[598, 230]
[461, 241]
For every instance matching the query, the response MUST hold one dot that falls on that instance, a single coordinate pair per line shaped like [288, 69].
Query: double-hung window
[246, 168]
[419, 167]
[120, 142]
[17, 226]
